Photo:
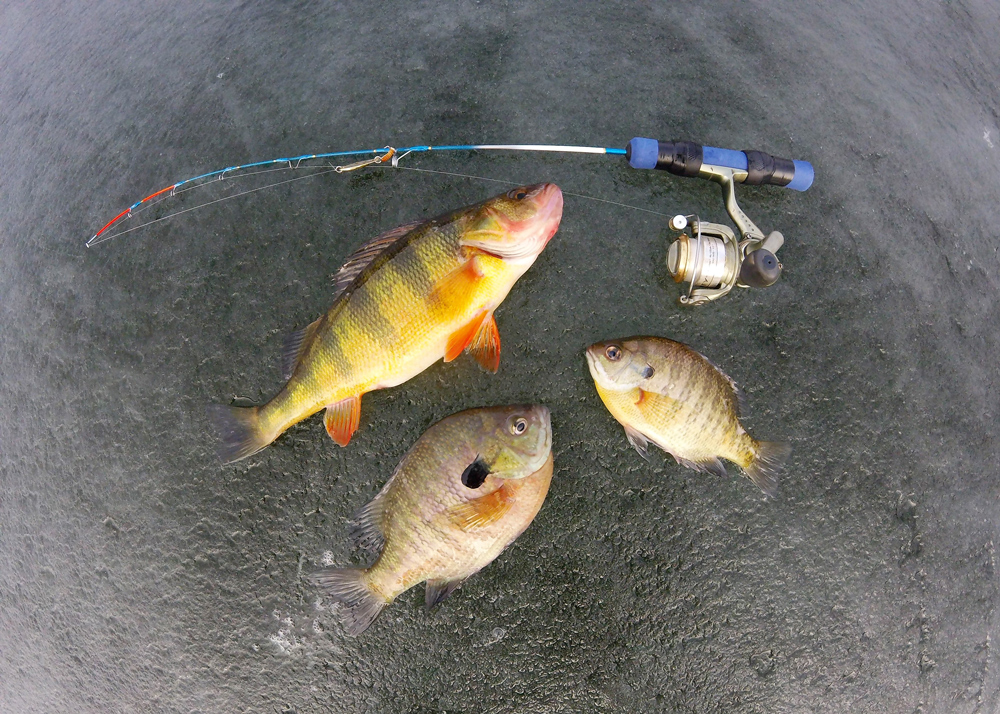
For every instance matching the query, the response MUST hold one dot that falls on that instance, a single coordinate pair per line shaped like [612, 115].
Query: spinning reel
[710, 257]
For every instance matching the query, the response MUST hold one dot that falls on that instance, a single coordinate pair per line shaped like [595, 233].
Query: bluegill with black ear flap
[664, 392]
[465, 490]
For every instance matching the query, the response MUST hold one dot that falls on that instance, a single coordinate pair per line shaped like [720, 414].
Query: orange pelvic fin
[342, 419]
[482, 511]
[464, 336]
[485, 346]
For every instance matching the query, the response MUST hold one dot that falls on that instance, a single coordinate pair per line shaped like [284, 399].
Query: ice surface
[139, 575]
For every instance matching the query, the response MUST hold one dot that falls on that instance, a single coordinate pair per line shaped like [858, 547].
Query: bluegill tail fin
[768, 464]
[239, 430]
[347, 585]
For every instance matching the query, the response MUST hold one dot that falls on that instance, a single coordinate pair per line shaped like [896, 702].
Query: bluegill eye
[518, 426]
[613, 353]
[518, 194]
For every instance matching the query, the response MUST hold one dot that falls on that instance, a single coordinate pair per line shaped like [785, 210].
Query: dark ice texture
[138, 575]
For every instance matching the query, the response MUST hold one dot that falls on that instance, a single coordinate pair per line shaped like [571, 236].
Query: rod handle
[685, 158]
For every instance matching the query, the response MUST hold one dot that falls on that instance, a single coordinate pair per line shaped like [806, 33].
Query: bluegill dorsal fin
[481, 512]
[369, 524]
[295, 344]
[738, 401]
[436, 591]
[363, 256]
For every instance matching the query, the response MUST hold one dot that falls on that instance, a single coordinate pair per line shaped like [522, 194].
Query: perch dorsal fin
[363, 256]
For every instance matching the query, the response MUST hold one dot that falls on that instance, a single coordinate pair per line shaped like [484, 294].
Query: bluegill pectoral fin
[481, 512]
[295, 344]
[485, 346]
[709, 466]
[638, 441]
[655, 401]
[342, 419]
[436, 591]
[463, 337]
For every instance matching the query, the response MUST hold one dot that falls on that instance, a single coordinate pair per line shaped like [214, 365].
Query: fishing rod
[388, 154]
[711, 260]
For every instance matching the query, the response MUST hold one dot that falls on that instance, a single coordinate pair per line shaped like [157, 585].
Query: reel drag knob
[760, 269]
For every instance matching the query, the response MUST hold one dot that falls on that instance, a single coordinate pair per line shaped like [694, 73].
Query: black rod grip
[762, 168]
[682, 158]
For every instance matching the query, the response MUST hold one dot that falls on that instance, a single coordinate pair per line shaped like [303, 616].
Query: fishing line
[713, 260]
[320, 173]
[381, 156]
[155, 199]
[95, 240]
[514, 183]
[452, 173]
[616, 203]
[178, 192]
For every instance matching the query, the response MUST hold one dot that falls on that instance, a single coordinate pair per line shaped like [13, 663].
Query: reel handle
[686, 158]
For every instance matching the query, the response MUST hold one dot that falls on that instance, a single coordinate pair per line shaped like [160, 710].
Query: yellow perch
[407, 298]
[664, 392]
[465, 491]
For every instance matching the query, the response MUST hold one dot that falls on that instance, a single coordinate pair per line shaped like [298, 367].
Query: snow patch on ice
[284, 639]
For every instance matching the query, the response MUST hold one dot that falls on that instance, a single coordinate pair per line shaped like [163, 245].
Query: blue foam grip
[643, 153]
[725, 157]
[803, 177]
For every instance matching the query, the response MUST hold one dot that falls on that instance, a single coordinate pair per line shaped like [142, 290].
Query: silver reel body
[711, 259]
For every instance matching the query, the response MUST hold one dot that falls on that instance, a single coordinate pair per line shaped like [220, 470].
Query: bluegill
[419, 293]
[664, 392]
[468, 487]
